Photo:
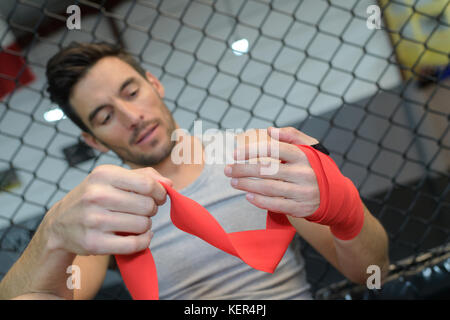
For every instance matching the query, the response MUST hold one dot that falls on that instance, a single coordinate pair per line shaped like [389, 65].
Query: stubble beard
[159, 153]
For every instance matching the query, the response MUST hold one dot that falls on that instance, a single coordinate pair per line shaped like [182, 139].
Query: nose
[130, 115]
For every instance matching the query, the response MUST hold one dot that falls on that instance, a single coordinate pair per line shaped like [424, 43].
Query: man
[120, 107]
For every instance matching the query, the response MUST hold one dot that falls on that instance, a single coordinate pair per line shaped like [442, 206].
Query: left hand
[292, 189]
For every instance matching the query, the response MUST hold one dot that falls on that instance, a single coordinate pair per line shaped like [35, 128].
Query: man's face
[125, 112]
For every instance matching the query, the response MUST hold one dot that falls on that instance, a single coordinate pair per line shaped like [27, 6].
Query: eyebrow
[99, 108]
[126, 83]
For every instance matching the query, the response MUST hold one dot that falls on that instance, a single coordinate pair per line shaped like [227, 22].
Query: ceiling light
[54, 114]
[240, 47]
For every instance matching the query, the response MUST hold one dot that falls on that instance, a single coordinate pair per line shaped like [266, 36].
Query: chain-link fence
[375, 96]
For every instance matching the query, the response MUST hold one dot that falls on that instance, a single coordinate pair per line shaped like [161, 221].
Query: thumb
[291, 135]
[155, 175]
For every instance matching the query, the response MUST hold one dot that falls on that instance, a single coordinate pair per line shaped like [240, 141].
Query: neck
[184, 173]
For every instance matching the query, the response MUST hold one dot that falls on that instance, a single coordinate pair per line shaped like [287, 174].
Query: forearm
[350, 257]
[369, 247]
[41, 268]
[37, 296]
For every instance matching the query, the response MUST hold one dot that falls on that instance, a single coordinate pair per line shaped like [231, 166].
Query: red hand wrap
[261, 249]
[340, 207]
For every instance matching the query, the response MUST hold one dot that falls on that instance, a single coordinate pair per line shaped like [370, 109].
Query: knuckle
[151, 185]
[152, 209]
[136, 244]
[309, 208]
[86, 199]
[146, 206]
[310, 176]
[149, 170]
[148, 238]
[100, 171]
[92, 221]
[144, 225]
[311, 192]
[291, 129]
[148, 227]
[90, 243]
[93, 195]
[150, 173]
[295, 173]
[150, 224]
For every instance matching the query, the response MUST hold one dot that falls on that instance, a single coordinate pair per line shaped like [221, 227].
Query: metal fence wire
[378, 99]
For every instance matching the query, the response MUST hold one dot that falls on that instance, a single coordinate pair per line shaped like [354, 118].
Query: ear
[93, 142]
[155, 83]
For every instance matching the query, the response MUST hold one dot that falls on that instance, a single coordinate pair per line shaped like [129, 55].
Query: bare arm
[40, 269]
[92, 274]
[350, 257]
[82, 229]
[37, 296]
[41, 272]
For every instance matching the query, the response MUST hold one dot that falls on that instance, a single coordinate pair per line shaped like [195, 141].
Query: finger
[119, 200]
[282, 171]
[268, 187]
[125, 223]
[120, 244]
[253, 137]
[139, 181]
[274, 204]
[154, 174]
[273, 149]
[258, 170]
[291, 135]
[155, 188]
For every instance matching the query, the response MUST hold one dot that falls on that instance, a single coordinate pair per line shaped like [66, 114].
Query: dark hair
[70, 64]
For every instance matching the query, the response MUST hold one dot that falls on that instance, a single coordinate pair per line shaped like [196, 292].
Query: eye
[134, 93]
[108, 116]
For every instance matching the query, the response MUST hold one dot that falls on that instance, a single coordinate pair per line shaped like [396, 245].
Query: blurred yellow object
[419, 32]
[8, 180]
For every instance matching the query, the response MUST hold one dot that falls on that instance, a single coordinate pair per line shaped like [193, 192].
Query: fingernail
[250, 196]
[234, 181]
[228, 170]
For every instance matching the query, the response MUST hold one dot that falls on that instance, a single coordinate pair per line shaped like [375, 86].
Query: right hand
[110, 201]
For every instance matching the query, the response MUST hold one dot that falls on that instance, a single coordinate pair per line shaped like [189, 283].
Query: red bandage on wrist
[340, 206]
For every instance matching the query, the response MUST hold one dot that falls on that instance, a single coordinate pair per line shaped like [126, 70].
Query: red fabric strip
[260, 249]
[13, 68]
[340, 207]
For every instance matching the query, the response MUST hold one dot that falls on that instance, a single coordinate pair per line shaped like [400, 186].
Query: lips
[146, 133]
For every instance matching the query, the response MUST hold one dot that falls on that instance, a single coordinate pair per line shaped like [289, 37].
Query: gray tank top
[191, 269]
